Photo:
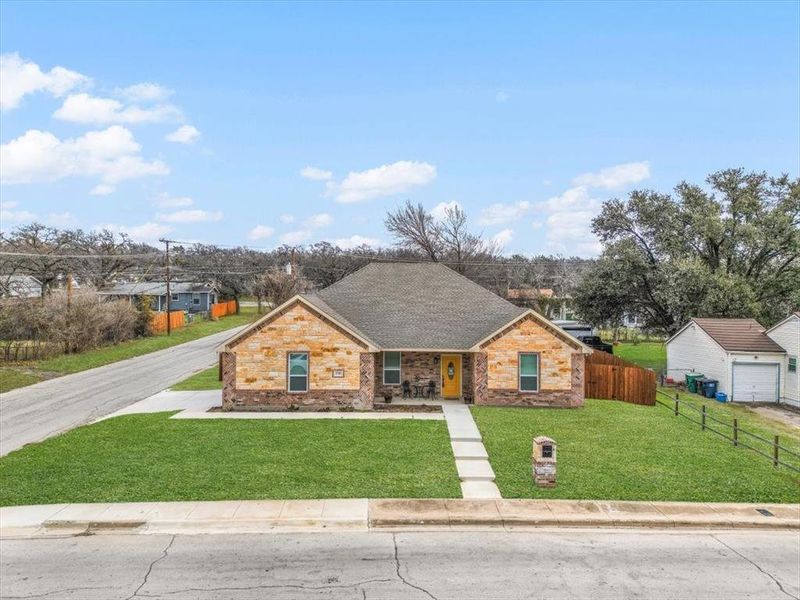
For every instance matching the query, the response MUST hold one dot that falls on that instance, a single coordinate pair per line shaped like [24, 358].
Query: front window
[196, 299]
[528, 372]
[298, 371]
[792, 364]
[391, 368]
[174, 297]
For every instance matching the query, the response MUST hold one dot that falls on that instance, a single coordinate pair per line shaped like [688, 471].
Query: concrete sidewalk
[265, 516]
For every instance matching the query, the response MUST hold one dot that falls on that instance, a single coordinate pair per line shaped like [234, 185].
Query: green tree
[728, 249]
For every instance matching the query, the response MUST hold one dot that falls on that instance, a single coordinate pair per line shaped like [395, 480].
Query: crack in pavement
[277, 586]
[64, 591]
[164, 553]
[403, 579]
[742, 556]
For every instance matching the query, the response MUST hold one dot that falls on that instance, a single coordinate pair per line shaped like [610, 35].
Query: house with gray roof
[401, 330]
[191, 297]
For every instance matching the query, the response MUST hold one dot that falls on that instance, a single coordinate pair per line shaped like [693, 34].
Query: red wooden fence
[159, 322]
[220, 309]
[612, 378]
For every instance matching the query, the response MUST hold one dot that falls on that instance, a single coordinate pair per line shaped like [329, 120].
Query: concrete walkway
[35, 412]
[472, 460]
[361, 514]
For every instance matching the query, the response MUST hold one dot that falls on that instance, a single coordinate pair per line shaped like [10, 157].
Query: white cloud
[501, 97]
[498, 214]
[319, 220]
[112, 155]
[20, 77]
[83, 108]
[386, 180]
[146, 232]
[293, 238]
[502, 238]
[354, 241]
[259, 232]
[439, 211]
[190, 216]
[287, 218]
[65, 219]
[576, 198]
[10, 214]
[164, 200]
[615, 177]
[315, 174]
[570, 233]
[537, 225]
[102, 189]
[144, 92]
[185, 134]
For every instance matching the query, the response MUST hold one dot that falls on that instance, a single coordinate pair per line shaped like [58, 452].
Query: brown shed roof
[739, 335]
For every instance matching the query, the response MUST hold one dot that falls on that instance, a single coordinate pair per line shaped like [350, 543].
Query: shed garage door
[755, 382]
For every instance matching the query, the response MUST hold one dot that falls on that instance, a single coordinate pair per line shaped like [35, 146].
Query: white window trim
[788, 367]
[538, 373]
[289, 373]
[399, 369]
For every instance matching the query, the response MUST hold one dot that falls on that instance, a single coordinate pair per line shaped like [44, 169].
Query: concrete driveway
[36, 412]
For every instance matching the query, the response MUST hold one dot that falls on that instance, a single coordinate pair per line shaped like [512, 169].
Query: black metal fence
[701, 417]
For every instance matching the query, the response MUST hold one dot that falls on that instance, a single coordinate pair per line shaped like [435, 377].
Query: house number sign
[338, 373]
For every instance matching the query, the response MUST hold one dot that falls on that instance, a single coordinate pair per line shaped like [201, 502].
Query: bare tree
[276, 287]
[415, 229]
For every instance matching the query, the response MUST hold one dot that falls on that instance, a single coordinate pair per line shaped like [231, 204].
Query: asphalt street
[38, 411]
[556, 564]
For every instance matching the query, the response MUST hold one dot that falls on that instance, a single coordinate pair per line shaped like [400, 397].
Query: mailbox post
[544, 461]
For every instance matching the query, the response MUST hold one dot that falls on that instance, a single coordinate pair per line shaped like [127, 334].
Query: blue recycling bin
[710, 388]
[722, 397]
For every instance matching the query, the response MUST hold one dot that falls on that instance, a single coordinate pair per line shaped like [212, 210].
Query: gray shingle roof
[424, 306]
[739, 335]
[155, 288]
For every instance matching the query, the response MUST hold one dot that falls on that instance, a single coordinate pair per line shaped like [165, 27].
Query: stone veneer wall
[561, 368]
[421, 365]
[254, 371]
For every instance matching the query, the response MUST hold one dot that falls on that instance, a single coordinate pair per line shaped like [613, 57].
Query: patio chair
[431, 391]
[406, 389]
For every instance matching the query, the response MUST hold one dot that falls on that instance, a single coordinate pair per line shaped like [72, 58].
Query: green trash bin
[691, 381]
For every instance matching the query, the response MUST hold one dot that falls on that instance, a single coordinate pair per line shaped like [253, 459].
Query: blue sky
[527, 115]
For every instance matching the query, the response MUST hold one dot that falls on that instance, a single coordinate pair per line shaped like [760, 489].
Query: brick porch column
[228, 379]
[366, 386]
[479, 378]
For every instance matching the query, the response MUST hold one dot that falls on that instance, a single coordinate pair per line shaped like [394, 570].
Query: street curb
[385, 514]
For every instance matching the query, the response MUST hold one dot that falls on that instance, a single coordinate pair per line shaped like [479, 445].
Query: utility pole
[166, 258]
[69, 290]
[294, 268]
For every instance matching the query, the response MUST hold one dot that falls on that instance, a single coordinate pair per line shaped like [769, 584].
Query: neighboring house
[389, 323]
[22, 286]
[787, 335]
[192, 297]
[545, 299]
[738, 353]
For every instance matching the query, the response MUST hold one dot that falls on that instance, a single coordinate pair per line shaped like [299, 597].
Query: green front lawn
[152, 458]
[612, 450]
[202, 380]
[651, 355]
[12, 377]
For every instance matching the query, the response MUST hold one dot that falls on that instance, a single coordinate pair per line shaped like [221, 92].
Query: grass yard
[202, 380]
[651, 355]
[150, 457]
[12, 377]
[612, 450]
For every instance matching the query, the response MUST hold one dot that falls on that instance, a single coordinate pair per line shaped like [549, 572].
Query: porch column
[366, 387]
[479, 378]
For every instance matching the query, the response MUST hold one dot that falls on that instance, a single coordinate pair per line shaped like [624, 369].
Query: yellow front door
[451, 375]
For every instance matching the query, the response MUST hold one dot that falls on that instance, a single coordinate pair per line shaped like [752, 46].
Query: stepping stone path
[472, 460]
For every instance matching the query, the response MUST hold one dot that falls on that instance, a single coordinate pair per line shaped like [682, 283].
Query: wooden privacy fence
[159, 322]
[221, 309]
[612, 378]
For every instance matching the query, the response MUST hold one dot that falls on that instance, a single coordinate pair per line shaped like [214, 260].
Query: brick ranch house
[388, 323]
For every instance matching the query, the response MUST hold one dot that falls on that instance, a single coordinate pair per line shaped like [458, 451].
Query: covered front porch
[429, 377]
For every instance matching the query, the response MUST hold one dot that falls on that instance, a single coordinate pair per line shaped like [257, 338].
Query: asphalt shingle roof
[424, 306]
[155, 288]
[739, 335]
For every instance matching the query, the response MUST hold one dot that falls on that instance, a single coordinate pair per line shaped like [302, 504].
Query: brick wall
[561, 368]
[261, 358]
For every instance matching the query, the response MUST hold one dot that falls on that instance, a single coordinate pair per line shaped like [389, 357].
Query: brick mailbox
[543, 461]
